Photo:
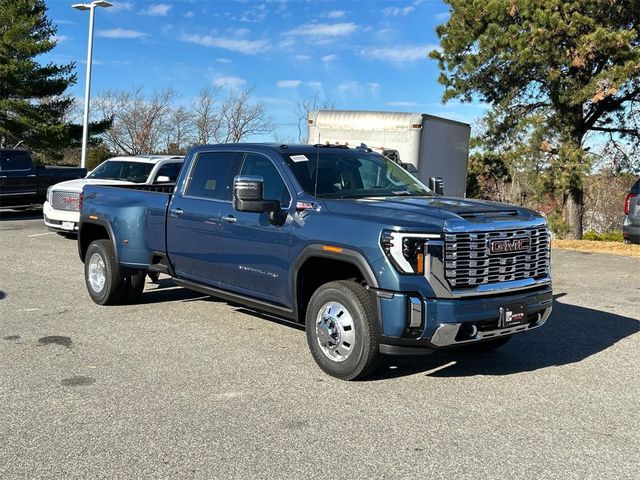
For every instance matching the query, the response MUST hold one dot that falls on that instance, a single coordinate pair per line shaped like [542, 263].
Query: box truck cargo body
[436, 146]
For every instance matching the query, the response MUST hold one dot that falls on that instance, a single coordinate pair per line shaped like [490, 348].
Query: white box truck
[436, 146]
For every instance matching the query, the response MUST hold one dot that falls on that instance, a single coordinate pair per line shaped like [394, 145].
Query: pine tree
[32, 101]
[555, 72]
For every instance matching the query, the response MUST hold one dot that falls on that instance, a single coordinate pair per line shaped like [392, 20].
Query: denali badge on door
[512, 315]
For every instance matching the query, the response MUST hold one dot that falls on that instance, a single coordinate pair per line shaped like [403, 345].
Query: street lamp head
[89, 6]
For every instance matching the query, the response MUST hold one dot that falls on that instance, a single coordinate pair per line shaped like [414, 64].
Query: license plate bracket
[68, 226]
[512, 315]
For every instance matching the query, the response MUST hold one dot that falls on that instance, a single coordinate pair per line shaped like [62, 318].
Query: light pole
[87, 89]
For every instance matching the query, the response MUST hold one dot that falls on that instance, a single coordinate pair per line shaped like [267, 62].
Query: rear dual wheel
[105, 284]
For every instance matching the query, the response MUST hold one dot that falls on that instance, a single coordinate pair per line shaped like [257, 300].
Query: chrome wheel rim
[335, 331]
[97, 272]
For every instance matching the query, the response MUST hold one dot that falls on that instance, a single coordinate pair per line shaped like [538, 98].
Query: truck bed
[121, 208]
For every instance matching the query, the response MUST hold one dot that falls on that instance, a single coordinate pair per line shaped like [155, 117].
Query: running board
[239, 299]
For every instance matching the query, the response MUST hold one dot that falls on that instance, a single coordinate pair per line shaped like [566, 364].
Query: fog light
[468, 330]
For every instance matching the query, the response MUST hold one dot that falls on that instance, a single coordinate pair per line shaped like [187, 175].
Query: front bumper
[451, 322]
[60, 220]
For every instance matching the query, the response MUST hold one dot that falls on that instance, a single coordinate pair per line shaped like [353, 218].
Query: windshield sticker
[298, 158]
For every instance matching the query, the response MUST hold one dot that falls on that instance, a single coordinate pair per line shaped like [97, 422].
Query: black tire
[113, 288]
[358, 303]
[487, 345]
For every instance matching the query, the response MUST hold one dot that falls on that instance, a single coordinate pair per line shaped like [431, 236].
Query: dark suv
[631, 225]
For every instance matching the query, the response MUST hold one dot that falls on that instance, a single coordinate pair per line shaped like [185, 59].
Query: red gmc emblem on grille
[70, 199]
[510, 245]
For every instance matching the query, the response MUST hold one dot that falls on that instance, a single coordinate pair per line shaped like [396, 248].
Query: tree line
[159, 123]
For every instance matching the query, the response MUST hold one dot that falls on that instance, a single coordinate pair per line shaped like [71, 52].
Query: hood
[76, 185]
[433, 212]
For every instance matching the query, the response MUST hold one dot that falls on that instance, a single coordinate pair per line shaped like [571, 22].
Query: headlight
[49, 195]
[406, 251]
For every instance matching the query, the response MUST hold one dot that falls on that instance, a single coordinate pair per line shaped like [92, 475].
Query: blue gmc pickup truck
[340, 239]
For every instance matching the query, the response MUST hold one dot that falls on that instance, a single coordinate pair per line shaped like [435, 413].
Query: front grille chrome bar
[470, 262]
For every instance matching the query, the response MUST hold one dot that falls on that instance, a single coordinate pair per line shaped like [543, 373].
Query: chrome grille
[65, 201]
[469, 261]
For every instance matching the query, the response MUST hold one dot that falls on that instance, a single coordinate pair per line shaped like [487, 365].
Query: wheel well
[317, 271]
[89, 233]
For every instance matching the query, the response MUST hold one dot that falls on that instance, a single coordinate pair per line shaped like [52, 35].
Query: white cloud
[443, 16]
[189, 14]
[288, 83]
[60, 38]
[335, 14]
[120, 33]
[399, 55]
[402, 104]
[314, 84]
[229, 81]
[329, 58]
[120, 7]
[356, 89]
[257, 14]
[240, 32]
[301, 57]
[398, 12]
[373, 87]
[324, 30]
[64, 22]
[157, 10]
[223, 60]
[249, 47]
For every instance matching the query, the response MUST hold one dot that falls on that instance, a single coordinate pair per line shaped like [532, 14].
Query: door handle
[229, 219]
[175, 212]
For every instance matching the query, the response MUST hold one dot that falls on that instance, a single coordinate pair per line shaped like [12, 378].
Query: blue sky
[364, 55]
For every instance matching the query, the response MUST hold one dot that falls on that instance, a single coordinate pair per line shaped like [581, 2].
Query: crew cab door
[18, 180]
[256, 261]
[193, 218]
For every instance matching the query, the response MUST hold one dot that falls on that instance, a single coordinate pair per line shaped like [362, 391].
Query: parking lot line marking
[40, 234]
[442, 367]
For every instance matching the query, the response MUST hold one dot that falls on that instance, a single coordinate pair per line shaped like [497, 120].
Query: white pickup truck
[61, 209]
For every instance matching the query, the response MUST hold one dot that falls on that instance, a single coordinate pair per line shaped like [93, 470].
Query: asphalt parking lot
[185, 386]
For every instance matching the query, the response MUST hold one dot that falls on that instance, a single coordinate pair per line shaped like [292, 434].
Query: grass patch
[616, 248]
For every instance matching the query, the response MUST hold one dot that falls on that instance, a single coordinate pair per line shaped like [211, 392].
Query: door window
[14, 161]
[274, 187]
[212, 175]
[170, 170]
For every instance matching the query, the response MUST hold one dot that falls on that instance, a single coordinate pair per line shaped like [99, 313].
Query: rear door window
[14, 161]
[212, 175]
[170, 170]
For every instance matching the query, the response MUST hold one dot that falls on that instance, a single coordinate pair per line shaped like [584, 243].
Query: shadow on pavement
[27, 214]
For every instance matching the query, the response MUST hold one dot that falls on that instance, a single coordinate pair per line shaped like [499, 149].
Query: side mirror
[248, 196]
[163, 179]
[436, 184]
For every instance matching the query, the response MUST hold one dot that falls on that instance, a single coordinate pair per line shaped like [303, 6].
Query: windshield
[136, 172]
[351, 173]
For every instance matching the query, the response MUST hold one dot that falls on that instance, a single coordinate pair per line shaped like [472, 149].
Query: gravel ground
[185, 386]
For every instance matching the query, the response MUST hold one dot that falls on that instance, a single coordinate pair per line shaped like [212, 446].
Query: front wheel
[342, 330]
